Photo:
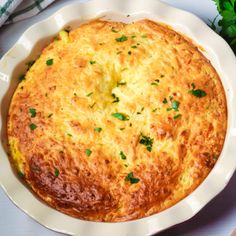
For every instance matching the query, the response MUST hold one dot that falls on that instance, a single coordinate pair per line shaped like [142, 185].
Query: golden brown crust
[149, 77]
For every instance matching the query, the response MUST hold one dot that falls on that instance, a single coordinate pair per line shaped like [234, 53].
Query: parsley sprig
[227, 10]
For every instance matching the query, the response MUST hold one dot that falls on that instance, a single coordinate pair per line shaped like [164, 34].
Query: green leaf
[88, 152]
[122, 155]
[177, 116]
[130, 177]
[231, 31]
[56, 172]
[98, 129]
[122, 38]
[33, 126]
[175, 105]
[199, 93]
[33, 112]
[120, 116]
[49, 62]
[146, 141]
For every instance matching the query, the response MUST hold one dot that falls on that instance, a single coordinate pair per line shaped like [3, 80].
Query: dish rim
[216, 49]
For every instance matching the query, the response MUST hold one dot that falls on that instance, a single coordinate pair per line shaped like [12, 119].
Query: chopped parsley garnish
[144, 36]
[175, 105]
[154, 110]
[49, 62]
[133, 46]
[120, 116]
[33, 112]
[162, 76]
[121, 84]
[122, 38]
[197, 92]
[114, 31]
[165, 100]
[115, 97]
[177, 116]
[122, 155]
[33, 126]
[88, 152]
[92, 62]
[22, 77]
[130, 177]
[70, 135]
[146, 141]
[157, 81]
[119, 52]
[56, 172]
[98, 129]
[89, 94]
[168, 108]
[50, 115]
[133, 36]
[171, 98]
[129, 52]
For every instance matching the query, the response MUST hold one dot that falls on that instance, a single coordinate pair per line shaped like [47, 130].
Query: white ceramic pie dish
[29, 46]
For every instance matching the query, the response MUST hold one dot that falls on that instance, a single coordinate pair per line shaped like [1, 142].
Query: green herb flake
[144, 36]
[122, 155]
[129, 52]
[177, 116]
[154, 110]
[70, 135]
[122, 38]
[115, 97]
[114, 31]
[88, 152]
[171, 98]
[197, 92]
[50, 115]
[49, 62]
[119, 52]
[120, 116]
[162, 75]
[32, 112]
[56, 172]
[146, 141]
[22, 77]
[33, 126]
[98, 129]
[133, 46]
[92, 62]
[168, 108]
[175, 105]
[130, 177]
[165, 100]
[89, 94]
[133, 36]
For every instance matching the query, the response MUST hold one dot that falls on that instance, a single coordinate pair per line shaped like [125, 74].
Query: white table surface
[218, 218]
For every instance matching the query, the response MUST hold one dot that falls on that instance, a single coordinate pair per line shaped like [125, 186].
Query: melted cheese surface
[127, 120]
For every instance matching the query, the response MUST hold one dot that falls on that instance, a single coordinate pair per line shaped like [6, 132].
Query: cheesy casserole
[115, 121]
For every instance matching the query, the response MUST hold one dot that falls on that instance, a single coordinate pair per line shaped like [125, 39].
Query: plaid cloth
[16, 10]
